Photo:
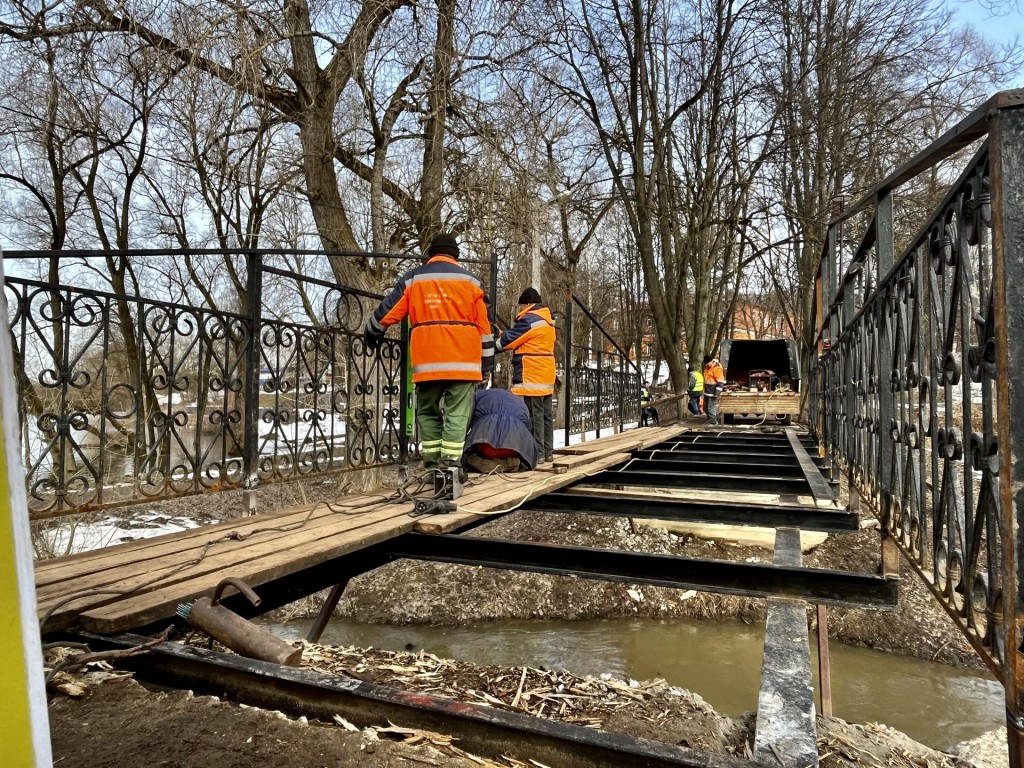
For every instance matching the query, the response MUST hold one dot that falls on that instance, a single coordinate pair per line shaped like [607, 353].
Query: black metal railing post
[1000, 360]
[406, 404]
[887, 377]
[492, 306]
[251, 383]
[622, 392]
[600, 375]
[567, 373]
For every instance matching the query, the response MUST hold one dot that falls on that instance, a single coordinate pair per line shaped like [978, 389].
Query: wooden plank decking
[134, 584]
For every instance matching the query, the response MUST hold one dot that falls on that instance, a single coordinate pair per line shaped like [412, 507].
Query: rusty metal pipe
[238, 634]
[238, 584]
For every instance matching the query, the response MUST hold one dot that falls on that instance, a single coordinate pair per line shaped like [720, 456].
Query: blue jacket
[502, 420]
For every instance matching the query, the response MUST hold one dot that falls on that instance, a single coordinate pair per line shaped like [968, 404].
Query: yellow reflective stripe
[433, 367]
[453, 276]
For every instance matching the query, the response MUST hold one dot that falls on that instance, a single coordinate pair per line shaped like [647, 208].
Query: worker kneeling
[500, 437]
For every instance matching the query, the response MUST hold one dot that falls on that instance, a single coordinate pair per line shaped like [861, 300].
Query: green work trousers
[443, 409]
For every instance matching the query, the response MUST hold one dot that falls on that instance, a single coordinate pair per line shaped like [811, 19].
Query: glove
[372, 340]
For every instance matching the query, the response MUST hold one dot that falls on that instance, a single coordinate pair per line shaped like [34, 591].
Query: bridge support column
[824, 662]
[326, 611]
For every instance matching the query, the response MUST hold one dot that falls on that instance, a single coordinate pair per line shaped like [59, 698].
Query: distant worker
[450, 343]
[500, 433]
[648, 413]
[695, 388]
[532, 343]
[714, 383]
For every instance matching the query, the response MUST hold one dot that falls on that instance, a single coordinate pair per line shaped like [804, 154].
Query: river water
[932, 703]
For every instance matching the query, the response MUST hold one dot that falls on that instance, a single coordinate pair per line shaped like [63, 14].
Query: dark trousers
[542, 425]
[711, 408]
[694, 405]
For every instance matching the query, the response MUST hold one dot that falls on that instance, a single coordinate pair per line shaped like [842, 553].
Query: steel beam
[785, 705]
[682, 510]
[735, 443]
[724, 455]
[727, 433]
[820, 488]
[750, 483]
[749, 579]
[716, 467]
[318, 695]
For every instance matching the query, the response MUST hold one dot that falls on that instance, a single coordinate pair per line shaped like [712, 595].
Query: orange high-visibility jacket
[451, 336]
[714, 374]
[532, 342]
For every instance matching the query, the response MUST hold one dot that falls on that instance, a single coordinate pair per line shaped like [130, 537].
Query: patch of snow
[74, 537]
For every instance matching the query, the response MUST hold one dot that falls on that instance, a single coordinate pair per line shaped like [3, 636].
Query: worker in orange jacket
[532, 343]
[451, 345]
[714, 383]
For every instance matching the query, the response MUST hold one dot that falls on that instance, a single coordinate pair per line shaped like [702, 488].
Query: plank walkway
[137, 583]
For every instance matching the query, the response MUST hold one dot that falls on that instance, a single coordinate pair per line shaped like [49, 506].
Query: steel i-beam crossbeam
[815, 585]
[736, 482]
[684, 510]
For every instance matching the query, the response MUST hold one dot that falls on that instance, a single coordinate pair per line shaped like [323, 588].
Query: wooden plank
[133, 574]
[59, 569]
[173, 558]
[130, 546]
[160, 604]
[218, 564]
[735, 499]
[697, 494]
[471, 510]
[637, 439]
[604, 443]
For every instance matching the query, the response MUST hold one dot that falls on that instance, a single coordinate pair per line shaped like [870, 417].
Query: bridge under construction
[914, 414]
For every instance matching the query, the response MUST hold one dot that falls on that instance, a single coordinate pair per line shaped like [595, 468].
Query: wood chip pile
[553, 694]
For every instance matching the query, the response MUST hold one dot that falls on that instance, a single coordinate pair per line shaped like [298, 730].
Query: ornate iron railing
[126, 396]
[918, 385]
[602, 388]
[159, 391]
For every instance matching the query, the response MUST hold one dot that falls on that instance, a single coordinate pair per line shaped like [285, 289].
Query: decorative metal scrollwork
[129, 397]
[933, 472]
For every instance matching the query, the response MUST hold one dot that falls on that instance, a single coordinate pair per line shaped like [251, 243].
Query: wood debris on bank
[556, 695]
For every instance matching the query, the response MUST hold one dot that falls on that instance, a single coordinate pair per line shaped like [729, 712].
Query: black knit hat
[443, 243]
[529, 296]
[708, 358]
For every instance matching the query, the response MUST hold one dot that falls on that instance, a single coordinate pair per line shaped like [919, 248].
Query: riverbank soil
[408, 592]
[114, 722]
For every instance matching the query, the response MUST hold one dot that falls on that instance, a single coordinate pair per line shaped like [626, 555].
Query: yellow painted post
[24, 724]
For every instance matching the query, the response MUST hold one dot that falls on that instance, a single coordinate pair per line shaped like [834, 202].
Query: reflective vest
[696, 382]
[451, 336]
[532, 342]
[645, 397]
[714, 375]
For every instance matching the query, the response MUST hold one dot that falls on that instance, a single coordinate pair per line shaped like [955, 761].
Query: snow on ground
[592, 435]
[70, 538]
